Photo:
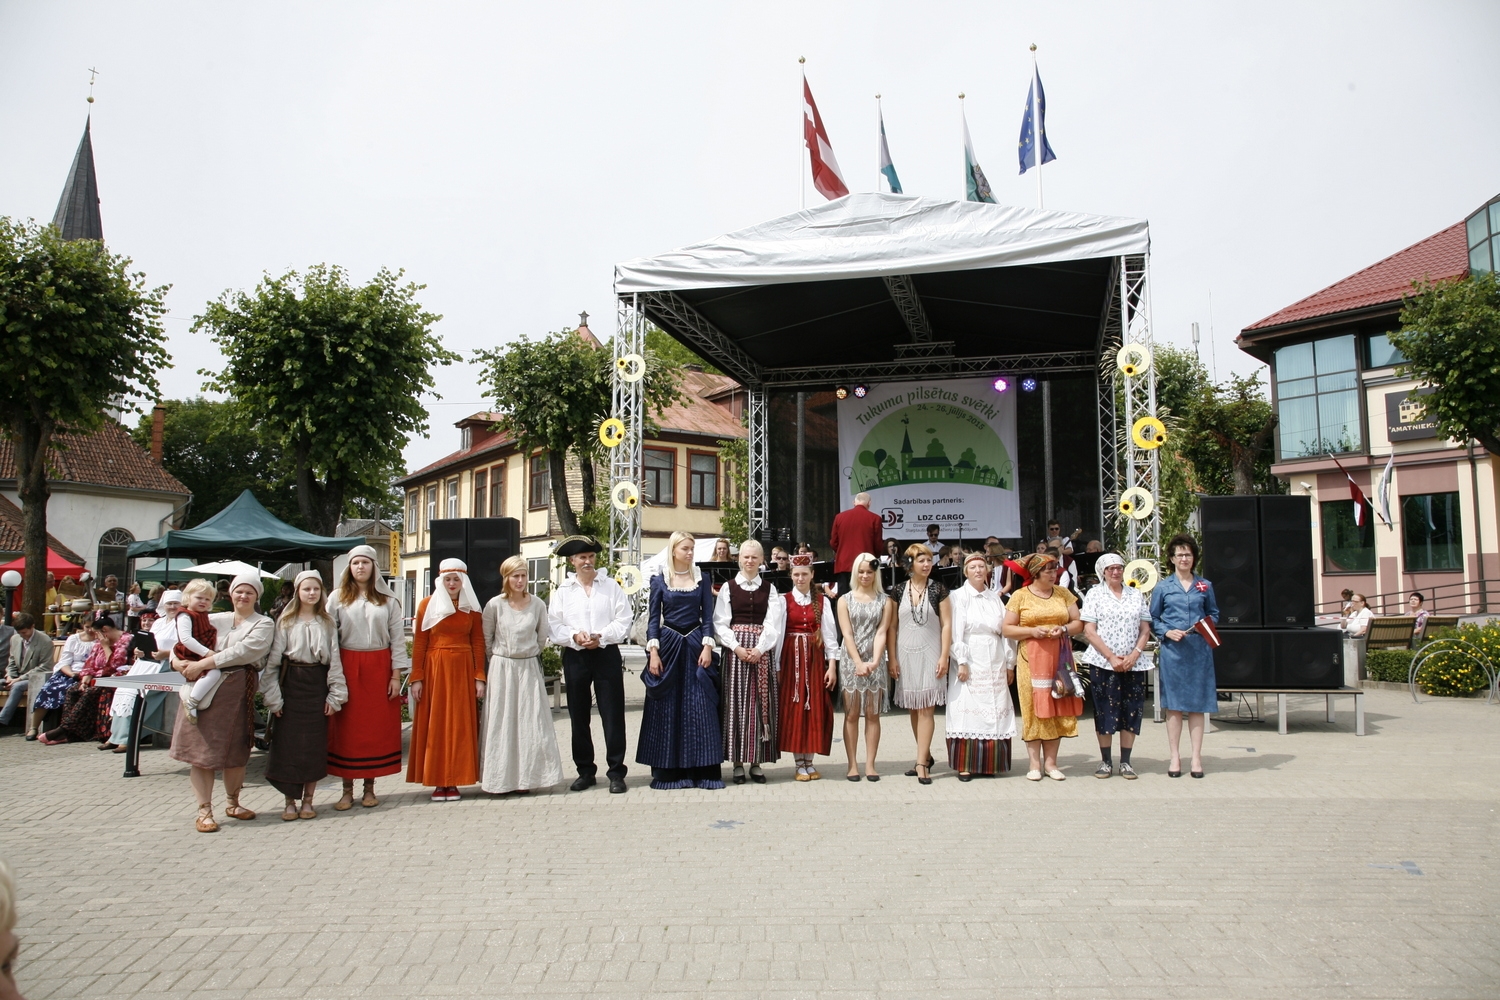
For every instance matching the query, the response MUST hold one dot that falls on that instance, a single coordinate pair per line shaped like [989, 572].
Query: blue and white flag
[1036, 105]
[977, 188]
[886, 166]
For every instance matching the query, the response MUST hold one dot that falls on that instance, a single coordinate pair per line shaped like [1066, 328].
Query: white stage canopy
[874, 235]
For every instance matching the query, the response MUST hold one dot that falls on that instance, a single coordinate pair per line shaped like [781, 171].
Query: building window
[1380, 352]
[414, 511]
[660, 477]
[539, 490]
[453, 498]
[497, 491]
[1483, 229]
[539, 577]
[1431, 532]
[1347, 547]
[1317, 398]
[431, 505]
[703, 479]
[481, 502]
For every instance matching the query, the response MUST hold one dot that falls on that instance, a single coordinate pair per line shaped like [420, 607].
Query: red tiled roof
[13, 534]
[108, 457]
[498, 443]
[1442, 255]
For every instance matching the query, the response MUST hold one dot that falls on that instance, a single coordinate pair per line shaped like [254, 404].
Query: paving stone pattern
[1316, 864]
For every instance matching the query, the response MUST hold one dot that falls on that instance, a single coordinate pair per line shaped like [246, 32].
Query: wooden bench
[1435, 622]
[1393, 632]
[1328, 695]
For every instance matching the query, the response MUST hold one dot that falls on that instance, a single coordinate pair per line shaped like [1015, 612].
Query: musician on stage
[854, 531]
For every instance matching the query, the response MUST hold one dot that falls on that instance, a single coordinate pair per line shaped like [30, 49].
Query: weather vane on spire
[92, 73]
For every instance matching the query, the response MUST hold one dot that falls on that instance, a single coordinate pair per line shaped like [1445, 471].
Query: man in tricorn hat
[589, 617]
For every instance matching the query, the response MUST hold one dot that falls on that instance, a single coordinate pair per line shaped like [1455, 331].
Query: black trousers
[604, 671]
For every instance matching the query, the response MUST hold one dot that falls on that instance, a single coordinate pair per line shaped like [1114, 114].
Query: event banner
[940, 451]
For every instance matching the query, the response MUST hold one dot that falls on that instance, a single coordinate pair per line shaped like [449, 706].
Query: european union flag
[1036, 105]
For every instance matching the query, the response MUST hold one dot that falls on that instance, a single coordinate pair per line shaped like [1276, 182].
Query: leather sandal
[369, 801]
[289, 813]
[205, 821]
[236, 811]
[346, 802]
[307, 811]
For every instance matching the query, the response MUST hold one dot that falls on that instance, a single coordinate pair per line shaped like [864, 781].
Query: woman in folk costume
[748, 619]
[447, 681]
[921, 635]
[681, 739]
[865, 619]
[1041, 617]
[980, 720]
[809, 666]
[520, 742]
[364, 739]
[302, 685]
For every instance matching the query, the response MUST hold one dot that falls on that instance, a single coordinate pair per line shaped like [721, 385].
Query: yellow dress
[1033, 611]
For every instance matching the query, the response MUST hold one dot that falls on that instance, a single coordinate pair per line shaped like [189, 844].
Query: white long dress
[979, 708]
[518, 748]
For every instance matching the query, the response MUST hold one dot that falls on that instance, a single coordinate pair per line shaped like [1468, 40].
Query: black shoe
[584, 781]
[758, 777]
[617, 786]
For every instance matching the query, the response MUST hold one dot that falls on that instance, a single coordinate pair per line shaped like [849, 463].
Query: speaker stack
[1257, 550]
[483, 543]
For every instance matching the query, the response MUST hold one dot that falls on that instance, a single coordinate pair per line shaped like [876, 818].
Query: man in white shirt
[589, 617]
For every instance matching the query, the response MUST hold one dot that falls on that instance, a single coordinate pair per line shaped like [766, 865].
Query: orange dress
[447, 658]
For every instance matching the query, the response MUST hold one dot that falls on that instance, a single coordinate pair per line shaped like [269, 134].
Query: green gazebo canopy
[244, 530]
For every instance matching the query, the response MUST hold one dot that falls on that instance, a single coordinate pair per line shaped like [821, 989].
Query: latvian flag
[1205, 628]
[1355, 493]
[827, 177]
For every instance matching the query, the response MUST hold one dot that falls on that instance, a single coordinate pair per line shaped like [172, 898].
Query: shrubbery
[1391, 665]
[1452, 673]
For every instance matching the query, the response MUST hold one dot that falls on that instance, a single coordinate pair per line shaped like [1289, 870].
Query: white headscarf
[440, 605]
[1106, 561]
[251, 580]
[375, 576]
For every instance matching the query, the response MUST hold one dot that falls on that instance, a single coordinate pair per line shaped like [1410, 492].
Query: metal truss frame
[1142, 466]
[1111, 521]
[904, 294]
[628, 404]
[759, 497]
[912, 366]
[709, 340]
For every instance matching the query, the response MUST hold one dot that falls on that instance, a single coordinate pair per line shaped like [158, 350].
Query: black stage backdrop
[1075, 461]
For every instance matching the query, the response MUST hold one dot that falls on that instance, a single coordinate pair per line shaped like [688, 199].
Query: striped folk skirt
[979, 756]
[751, 724]
[364, 737]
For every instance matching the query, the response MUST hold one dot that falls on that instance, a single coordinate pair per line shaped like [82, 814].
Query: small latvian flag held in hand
[1205, 628]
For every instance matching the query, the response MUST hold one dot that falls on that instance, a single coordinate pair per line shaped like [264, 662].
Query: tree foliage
[217, 452]
[81, 332]
[674, 352]
[1227, 437]
[1450, 334]
[553, 393]
[734, 503]
[332, 376]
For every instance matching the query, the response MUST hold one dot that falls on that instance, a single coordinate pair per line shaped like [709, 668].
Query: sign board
[1406, 419]
[933, 452]
[395, 556]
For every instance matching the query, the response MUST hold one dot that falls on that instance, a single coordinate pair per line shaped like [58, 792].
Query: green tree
[1227, 437]
[1450, 334]
[81, 332]
[332, 376]
[553, 393]
[734, 504]
[217, 452]
[674, 352]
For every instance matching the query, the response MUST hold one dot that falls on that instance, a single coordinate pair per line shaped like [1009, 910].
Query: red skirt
[364, 737]
[806, 712]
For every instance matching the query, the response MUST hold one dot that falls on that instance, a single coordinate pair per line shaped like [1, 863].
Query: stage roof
[879, 287]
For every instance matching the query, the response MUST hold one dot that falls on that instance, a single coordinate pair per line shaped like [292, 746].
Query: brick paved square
[1282, 874]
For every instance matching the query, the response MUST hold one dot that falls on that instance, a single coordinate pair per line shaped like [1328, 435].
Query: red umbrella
[56, 565]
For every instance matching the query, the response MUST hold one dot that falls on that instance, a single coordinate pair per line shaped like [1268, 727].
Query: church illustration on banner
[879, 468]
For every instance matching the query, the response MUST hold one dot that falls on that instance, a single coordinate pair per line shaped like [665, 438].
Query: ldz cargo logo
[892, 517]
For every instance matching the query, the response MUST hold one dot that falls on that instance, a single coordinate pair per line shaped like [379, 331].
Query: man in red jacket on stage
[854, 531]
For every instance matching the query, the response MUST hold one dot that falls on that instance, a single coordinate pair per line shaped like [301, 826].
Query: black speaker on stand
[1231, 557]
[1286, 562]
[483, 543]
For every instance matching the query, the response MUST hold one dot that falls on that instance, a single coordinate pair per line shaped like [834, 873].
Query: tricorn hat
[574, 544]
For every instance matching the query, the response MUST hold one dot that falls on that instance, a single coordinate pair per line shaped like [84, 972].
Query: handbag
[1065, 682]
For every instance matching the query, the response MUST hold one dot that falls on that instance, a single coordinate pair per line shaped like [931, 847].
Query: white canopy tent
[883, 287]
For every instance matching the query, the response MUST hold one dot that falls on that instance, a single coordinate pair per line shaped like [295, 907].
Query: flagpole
[1036, 123]
[879, 127]
[802, 166]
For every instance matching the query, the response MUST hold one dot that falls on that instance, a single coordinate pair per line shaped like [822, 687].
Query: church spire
[78, 210]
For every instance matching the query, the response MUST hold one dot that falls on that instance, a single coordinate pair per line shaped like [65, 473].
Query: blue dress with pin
[1186, 667]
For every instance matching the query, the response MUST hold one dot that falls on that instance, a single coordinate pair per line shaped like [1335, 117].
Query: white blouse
[772, 627]
[305, 641]
[975, 613]
[1118, 621]
[365, 626]
[831, 649]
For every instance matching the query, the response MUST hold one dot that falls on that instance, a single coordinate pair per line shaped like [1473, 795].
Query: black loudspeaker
[1231, 558]
[483, 543]
[1279, 658]
[1245, 660]
[1286, 562]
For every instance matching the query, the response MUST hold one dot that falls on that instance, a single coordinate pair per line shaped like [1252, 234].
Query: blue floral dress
[1186, 668]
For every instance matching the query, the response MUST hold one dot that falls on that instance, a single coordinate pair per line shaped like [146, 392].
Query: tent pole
[1047, 448]
[798, 531]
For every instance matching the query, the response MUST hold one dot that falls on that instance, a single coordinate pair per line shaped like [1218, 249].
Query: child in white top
[197, 598]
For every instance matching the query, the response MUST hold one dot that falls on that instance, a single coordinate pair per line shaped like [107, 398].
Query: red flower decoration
[1202, 586]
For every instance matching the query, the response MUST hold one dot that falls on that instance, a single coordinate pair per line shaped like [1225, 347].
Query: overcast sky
[508, 156]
